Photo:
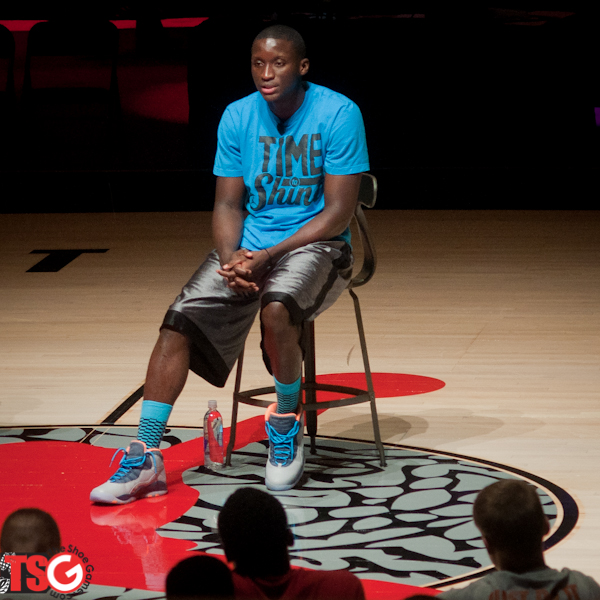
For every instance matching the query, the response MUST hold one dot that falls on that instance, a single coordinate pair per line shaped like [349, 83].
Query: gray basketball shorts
[216, 320]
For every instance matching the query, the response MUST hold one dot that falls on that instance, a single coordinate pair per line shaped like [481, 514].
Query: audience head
[200, 577]
[30, 531]
[255, 534]
[511, 519]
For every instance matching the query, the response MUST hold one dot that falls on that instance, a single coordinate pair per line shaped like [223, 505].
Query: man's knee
[275, 318]
[172, 342]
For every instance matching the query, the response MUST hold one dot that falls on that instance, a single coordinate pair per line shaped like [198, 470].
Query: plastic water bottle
[213, 437]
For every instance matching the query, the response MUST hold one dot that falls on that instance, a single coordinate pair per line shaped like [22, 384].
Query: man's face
[277, 69]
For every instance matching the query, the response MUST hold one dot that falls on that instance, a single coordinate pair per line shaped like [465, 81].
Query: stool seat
[310, 386]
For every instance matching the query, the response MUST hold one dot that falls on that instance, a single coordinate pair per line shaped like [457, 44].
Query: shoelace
[128, 463]
[283, 443]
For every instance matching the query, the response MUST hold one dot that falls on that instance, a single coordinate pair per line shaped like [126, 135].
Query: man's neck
[290, 105]
[272, 568]
[520, 564]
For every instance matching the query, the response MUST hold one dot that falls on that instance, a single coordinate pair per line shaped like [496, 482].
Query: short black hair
[284, 32]
[254, 531]
[509, 515]
[200, 577]
[30, 531]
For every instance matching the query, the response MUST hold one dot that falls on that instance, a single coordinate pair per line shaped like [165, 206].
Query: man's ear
[304, 65]
[289, 538]
[546, 526]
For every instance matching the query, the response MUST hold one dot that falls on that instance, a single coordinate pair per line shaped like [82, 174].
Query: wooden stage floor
[502, 306]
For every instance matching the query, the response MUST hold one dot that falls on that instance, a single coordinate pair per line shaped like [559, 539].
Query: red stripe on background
[27, 24]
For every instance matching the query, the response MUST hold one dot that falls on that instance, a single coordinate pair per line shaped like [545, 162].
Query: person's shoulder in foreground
[200, 577]
[542, 584]
[300, 583]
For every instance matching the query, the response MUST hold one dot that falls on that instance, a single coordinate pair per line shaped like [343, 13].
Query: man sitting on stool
[288, 166]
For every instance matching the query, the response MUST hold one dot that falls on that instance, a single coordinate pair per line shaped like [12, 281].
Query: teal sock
[287, 396]
[153, 421]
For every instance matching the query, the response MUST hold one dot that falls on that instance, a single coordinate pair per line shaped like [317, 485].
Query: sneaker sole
[103, 498]
[282, 487]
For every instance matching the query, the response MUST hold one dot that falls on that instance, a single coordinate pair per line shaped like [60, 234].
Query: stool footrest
[358, 396]
[358, 399]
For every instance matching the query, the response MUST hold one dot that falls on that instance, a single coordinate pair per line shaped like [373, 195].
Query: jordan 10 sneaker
[141, 474]
[285, 463]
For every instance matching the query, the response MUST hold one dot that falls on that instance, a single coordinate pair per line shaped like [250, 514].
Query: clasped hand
[243, 269]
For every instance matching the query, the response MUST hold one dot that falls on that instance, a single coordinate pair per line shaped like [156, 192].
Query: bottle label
[213, 439]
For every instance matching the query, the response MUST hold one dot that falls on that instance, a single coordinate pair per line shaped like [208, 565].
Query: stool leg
[234, 408]
[310, 394]
[365, 355]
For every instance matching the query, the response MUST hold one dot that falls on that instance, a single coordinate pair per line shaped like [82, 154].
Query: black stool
[367, 197]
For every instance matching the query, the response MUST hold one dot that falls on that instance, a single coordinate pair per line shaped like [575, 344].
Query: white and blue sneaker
[141, 474]
[285, 463]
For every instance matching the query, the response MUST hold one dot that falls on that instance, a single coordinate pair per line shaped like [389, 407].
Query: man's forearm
[323, 227]
[227, 225]
[341, 195]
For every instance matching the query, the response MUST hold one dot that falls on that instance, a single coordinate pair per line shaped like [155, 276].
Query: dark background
[464, 108]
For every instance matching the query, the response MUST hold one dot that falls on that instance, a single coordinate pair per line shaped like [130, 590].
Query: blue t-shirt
[284, 172]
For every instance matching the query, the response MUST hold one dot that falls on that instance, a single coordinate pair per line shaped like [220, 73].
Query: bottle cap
[212, 404]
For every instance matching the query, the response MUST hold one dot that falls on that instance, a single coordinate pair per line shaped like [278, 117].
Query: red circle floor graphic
[132, 547]
[386, 385]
